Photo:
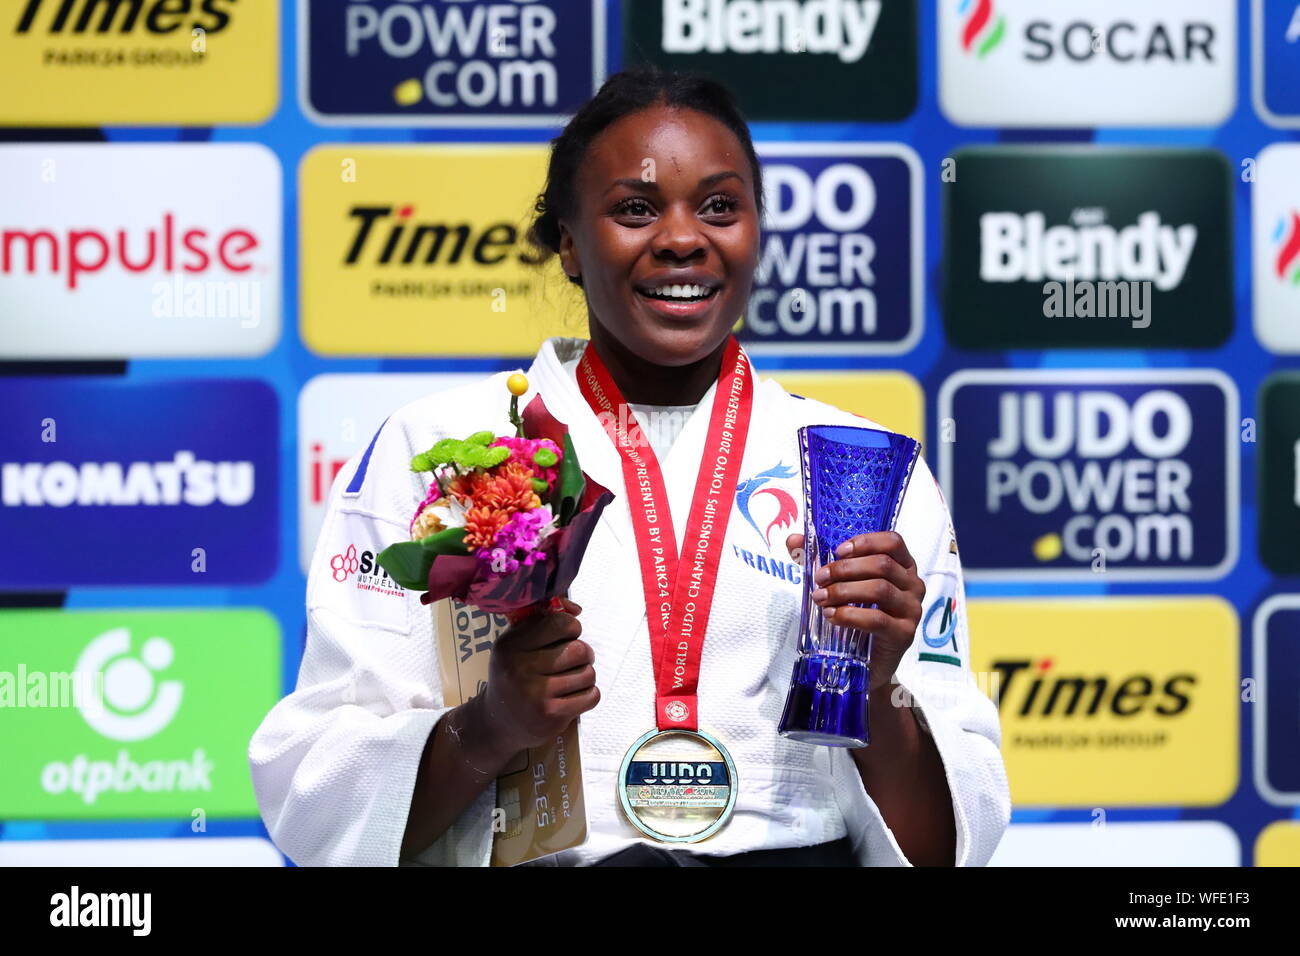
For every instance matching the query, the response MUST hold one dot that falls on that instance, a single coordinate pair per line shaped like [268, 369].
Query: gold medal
[677, 786]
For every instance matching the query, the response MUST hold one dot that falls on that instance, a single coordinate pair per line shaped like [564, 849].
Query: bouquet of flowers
[507, 519]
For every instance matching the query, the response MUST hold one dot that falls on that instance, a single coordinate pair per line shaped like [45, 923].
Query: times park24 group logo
[137, 62]
[421, 250]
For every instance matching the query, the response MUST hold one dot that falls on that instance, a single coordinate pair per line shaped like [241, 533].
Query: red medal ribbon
[678, 590]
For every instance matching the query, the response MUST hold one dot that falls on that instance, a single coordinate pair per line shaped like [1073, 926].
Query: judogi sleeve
[334, 763]
[935, 676]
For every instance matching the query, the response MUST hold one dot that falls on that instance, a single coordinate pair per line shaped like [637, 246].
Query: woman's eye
[720, 206]
[634, 207]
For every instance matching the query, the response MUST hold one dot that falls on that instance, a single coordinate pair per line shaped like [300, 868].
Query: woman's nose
[678, 235]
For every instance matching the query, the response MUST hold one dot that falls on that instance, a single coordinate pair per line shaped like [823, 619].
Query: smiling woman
[653, 205]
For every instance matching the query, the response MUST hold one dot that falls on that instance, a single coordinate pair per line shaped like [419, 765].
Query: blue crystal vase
[854, 480]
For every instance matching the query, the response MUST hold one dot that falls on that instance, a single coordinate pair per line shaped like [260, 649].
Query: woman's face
[666, 232]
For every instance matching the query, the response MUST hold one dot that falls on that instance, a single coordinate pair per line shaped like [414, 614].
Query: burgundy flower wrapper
[467, 580]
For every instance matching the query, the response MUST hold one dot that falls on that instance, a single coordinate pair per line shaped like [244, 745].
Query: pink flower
[519, 541]
[522, 450]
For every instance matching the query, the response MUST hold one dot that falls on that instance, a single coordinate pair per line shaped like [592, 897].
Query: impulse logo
[1286, 239]
[982, 30]
[73, 253]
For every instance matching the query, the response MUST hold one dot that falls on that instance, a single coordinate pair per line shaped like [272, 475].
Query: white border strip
[1259, 661]
[1257, 72]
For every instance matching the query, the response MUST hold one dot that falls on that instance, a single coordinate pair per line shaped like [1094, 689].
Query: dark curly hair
[621, 95]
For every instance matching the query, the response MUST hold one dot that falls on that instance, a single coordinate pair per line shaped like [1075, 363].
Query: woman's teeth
[680, 292]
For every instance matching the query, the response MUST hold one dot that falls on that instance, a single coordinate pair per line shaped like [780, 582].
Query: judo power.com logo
[139, 702]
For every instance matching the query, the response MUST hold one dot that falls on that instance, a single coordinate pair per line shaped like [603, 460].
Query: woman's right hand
[541, 677]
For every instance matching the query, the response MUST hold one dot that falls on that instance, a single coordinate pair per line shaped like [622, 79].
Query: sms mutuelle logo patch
[422, 251]
[155, 62]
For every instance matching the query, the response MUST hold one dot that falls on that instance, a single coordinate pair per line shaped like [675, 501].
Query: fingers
[879, 542]
[880, 566]
[539, 631]
[887, 596]
[559, 658]
[793, 543]
[565, 685]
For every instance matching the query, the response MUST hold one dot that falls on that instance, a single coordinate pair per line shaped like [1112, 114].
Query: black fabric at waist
[836, 853]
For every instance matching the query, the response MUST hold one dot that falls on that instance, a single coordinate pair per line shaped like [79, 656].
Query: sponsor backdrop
[1060, 243]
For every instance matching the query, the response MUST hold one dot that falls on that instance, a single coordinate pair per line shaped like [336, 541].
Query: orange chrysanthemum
[482, 525]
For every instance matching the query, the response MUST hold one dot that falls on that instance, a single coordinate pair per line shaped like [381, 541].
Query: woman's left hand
[871, 569]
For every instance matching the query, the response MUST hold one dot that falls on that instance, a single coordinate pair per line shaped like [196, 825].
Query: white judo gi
[334, 763]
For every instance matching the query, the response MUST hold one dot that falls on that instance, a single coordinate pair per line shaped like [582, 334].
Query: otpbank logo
[145, 62]
[1133, 701]
[181, 693]
[1275, 199]
[449, 62]
[427, 243]
[135, 250]
[1093, 63]
[111, 483]
[1092, 474]
[840, 269]
[1275, 72]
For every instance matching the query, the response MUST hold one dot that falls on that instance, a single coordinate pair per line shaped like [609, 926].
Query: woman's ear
[569, 254]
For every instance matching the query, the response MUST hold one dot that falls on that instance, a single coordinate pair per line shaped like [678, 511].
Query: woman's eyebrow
[635, 182]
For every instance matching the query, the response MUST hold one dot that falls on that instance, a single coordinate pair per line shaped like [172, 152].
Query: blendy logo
[1085, 474]
[1047, 247]
[1161, 62]
[370, 576]
[840, 266]
[860, 56]
[1278, 464]
[445, 63]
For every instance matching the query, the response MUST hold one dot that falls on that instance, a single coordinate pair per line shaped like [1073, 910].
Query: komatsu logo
[185, 480]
